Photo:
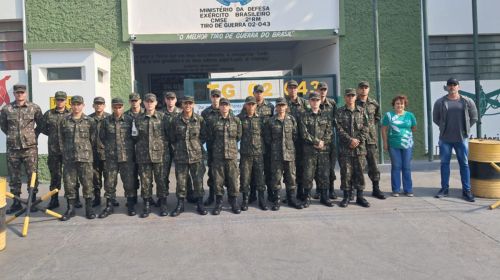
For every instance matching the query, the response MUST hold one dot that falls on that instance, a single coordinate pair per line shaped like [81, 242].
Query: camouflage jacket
[77, 138]
[252, 137]
[116, 135]
[351, 124]
[171, 115]
[187, 138]
[18, 123]
[372, 110]
[314, 128]
[329, 105]
[50, 127]
[134, 115]
[152, 138]
[224, 134]
[281, 136]
[298, 107]
[99, 153]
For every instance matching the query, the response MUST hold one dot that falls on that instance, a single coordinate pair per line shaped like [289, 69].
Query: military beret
[363, 84]
[292, 83]
[322, 85]
[117, 101]
[77, 99]
[250, 99]
[150, 97]
[19, 88]
[225, 101]
[350, 91]
[99, 100]
[258, 88]
[60, 95]
[134, 96]
[281, 101]
[215, 92]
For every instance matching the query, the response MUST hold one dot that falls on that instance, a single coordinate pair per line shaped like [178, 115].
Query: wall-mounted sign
[228, 20]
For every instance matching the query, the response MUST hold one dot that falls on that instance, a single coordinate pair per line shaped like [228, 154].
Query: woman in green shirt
[397, 131]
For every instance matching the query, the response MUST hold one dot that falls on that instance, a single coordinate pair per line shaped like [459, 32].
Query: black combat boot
[307, 198]
[275, 206]
[253, 195]
[244, 202]
[108, 210]
[376, 191]
[70, 211]
[233, 201]
[345, 201]
[331, 192]
[131, 205]
[292, 201]
[147, 208]
[97, 198]
[163, 207]
[270, 194]
[324, 199]
[317, 194]
[211, 196]
[218, 205]
[16, 206]
[154, 203]
[351, 195]
[190, 197]
[89, 212]
[360, 200]
[179, 208]
[115, 203]
[200, 208]
[54, 202]
[262, 201]
[300, 193]
[78, 203]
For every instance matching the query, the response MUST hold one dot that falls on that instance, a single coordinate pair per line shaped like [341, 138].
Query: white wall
[11, 10]
[454, 17]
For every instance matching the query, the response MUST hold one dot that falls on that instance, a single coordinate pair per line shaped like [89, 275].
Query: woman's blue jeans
[401, 165]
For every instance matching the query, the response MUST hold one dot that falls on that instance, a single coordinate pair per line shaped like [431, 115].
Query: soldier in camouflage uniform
[265, 110]
[316, 132]
[150, 150]
[372, 110]
[98, 148]
[187, 134]
[352, 129]
[78, 132]
[115, 134]
[224, 132]
[50, 127]
[329, 105]
[296, 106]
[208, 114]
[135, 110]
[280, 133]
[171, 111]
[252, 153]
[17, 121]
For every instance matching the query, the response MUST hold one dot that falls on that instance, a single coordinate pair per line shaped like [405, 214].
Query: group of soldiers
[293, 141]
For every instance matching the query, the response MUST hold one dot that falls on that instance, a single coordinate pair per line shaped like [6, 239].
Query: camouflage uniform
[208, 115]
[50, 127]
[187, 138]
[351, 124]
[372, 110]
[252, 152]
[135, 179]
[115, 134]
[76, 146]
[18, 123]
[266, 110]
[99, 154]
[330, 106]
[224, 134]
[150, 149]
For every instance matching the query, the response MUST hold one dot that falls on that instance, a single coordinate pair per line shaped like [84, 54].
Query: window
[11, 45]
[100, 76]
[64, 73]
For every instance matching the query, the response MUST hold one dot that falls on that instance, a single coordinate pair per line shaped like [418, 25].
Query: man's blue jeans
[401, 164]
[462, 152]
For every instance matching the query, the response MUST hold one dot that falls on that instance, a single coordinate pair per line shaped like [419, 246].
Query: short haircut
[400, 97]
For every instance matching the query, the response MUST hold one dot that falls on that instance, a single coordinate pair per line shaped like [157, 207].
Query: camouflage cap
[77, 99]
[60, 95]
[314, 95]
[349, 91]
[225, 101]
[117, 101]
[19, 88]
[281, 101]
[363, 84]
[322, 85]
[215, 92]
[170, 94]
[258, 88]
[150, 97]
[188, 99]
[251, 100]
[292, 83]
[134, 96]
[99, 100]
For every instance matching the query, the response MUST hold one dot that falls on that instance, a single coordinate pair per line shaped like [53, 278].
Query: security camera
[133, 37]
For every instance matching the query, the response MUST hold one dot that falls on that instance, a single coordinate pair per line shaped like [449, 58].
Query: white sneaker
[395, 194]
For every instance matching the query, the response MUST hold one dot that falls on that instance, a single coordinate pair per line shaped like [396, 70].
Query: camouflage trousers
[299, 164]
[226, 172]
[286, 169]
[168, 167]
[252, 171]
[55, 164]
[351, 172]
[75, 172]
[149, 172]
[333, 162]
[112, 168]
[19, 160]
[98, 173]
[190, 173]
[317, 168]
[135, 177]
[371, 160]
